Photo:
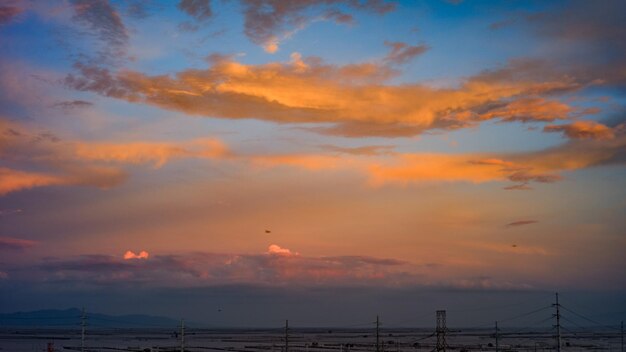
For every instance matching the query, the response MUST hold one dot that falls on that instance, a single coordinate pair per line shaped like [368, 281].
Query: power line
[516, 316]
[589, 320]
[126, 322]
[525, 329]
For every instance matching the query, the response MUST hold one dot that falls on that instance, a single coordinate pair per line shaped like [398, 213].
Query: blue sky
[403, 146]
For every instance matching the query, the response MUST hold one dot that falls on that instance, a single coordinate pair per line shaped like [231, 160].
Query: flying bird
[514, 246]
[268, 231]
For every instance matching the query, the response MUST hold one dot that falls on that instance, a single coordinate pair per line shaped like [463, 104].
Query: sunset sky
[312, 159]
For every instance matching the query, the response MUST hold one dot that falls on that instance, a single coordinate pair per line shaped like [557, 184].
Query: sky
[243, 162]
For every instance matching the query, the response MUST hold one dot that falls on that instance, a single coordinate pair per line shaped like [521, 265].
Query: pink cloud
[275, 249]
[10, 243]
[132, 255]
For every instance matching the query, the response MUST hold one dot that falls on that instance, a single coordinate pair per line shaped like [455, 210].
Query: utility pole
[622, 330]
[497, 345]
[182, 335]
[441, 331]
[82, 331]
[377, 334]
[558, 323]
[286, 335]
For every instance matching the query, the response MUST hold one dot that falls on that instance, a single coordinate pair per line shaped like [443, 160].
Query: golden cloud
[355, 96]
[582, 130]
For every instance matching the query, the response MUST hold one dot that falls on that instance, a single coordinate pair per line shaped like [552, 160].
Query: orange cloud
[15, 180]
[582, 130]
[544, 166]
[149, 152]
[370, 150]
[541, 166]
[530, 109]
[81, 162]
[354, 97]
[102, 177]
[309, 162]
[132, 255]
[407, 168]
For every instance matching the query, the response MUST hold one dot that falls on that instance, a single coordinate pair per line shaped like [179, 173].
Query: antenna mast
[82, 331]
[286, 335]
[182, 335]
[558, 323]
[377, 334]
[497, 345]
[622, 330]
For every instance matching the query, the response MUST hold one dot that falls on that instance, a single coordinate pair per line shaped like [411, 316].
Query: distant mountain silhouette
[72, 318]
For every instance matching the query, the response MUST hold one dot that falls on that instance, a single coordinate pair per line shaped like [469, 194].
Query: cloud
[408, 168]
[267, 22]
[402, 53]
[309, 162]
[53, 160]
[354, 97]
[103, 20]
[518, 187]
[7, 13]
[85, 163]
[582, 130]
[15, 180]
[580, 20]
[370, 150]
[275, 249]
[6, 212]
[89, 163]
[10, 243]
[198, 9]
[521, 223]
[132, 255]
[523, 168]
[157, 153]
[507, 248]
[595, 33]
[73, 104]
[277, 266]
[529, 109]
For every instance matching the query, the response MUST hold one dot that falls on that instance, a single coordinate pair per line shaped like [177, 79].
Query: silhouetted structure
[377, 334]
[558, 323]
[82, 331]
[497, 341]
[286, 335]
[441, 331]
[182, 335]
